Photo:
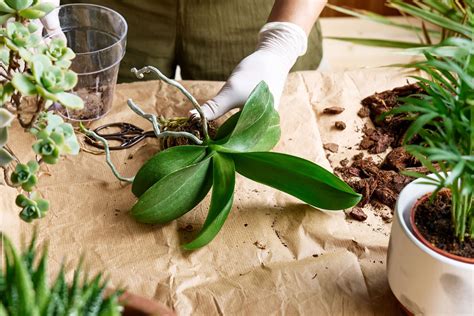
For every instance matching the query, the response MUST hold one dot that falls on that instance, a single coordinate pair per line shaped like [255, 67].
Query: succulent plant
[33, 207]
[24, 288]
[5, 120]
[49, 82]
[27, 9]
[20, 38]
[25, 175]
[58, 52]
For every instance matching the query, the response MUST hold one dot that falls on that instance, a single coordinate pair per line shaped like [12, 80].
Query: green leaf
[377, 42]
[174, 195]
[3, 136]
[24, 84]
[298, 177]
[221, 200]
[19, 4]
[5, 118]
[268, 140]
[70, 101]
[227, 127]
[164, 163]
[5, 7]
[24, 286]
[432, 17]
[253, 122]
[5, 17]
[37, 11]
[5, 157]
[40, 280]
[418, 124]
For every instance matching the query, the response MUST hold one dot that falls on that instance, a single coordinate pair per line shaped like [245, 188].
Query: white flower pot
[424, 281]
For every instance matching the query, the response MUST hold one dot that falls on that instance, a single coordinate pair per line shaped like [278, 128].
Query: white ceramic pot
[423, 281]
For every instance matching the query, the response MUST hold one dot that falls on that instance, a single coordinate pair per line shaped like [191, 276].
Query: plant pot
[140, 306]
[98, 36]
[423, 280]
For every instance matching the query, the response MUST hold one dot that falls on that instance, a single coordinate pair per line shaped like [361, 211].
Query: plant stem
[148, 69]
[107, 153]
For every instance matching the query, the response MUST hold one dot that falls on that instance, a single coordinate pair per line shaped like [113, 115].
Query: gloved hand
[50, 22]
[280, 44]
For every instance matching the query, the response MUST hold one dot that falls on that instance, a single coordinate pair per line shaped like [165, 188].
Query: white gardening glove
[50, 23]
[280, 44]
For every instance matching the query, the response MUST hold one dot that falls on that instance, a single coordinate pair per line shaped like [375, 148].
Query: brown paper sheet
[274, 255]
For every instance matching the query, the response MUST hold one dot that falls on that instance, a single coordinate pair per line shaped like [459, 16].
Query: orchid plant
[34, 78]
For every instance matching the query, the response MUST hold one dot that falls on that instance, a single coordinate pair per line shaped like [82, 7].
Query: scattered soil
[259, 245]
[332, 147]
[380, 183]
[333, 110]
[394, 126]
[433, 220]
[184, 124]
[358, 214]
[340, 125]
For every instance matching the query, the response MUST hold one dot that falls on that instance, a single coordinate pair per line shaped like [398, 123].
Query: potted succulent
[25, 289]
[431, 251]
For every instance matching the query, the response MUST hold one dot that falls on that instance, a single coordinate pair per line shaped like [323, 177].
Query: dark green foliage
[173, 185]
[24, 288]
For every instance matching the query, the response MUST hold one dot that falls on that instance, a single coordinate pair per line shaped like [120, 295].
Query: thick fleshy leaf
[174, 195]
[5, 157]
[24, 84]
[24, 286]
[164, 163]
[37, 11]
[221, 201]
[253, 121]
[5, 118]
[5, 7]
[19, 4]
[5, 17]
[3, 136]
[298, 177]
[227, 127]
[70, 80]
[69, 100]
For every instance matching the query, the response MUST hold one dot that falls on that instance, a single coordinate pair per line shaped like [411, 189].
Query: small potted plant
[431, 252]
[25, 289]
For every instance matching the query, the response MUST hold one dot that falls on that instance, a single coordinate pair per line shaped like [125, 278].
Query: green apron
[206, 38]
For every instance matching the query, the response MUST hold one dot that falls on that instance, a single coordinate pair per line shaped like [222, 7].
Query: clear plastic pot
[98, 36]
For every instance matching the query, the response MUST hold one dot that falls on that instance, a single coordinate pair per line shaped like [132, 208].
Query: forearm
[300, 12]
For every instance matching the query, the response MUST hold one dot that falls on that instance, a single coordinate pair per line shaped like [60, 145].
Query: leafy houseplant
[34, 75]
[445, 18]
[443, 120]
[175, 180]
[24, 288]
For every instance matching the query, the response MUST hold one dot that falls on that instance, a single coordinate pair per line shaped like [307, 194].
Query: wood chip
[333, 110]
[332, 147]
[358, 214]
[363, 112]
[259, 245]
[340, 125]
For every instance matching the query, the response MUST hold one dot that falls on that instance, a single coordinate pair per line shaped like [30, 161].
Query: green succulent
[25, 289]
[25, 175]
[6, 91]
[47, 146]
[20, 38]
[5, 120]
[49, 81]
[33, 207]
[62, 133]
[28, 9]
[58, 53]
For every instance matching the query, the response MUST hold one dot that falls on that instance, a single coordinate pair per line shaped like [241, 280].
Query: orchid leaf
[174, 195]
[298, 177]
[221, 200]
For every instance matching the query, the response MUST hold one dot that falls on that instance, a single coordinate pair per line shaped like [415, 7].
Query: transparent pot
[98, 37]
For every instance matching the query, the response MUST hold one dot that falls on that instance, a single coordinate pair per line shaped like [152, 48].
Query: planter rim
[422, 238]
[402, 214]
